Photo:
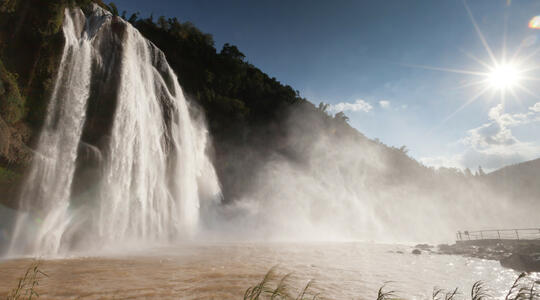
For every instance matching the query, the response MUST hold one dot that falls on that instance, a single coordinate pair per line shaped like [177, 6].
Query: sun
[498, 78]
[504, 76]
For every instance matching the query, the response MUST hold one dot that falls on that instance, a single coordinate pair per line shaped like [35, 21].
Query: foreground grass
[275, 286]
[26, 288]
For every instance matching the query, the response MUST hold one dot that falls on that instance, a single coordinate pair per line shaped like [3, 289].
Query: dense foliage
[233, 92]
[31, 44]
[250, 115]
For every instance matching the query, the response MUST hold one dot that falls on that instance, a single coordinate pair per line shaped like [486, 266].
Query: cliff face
[31, 45]
[120, 155]
[251, 116]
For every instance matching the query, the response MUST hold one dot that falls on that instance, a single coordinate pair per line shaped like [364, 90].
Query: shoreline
[519, 255]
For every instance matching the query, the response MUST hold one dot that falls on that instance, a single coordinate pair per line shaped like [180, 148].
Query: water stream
[153, 166]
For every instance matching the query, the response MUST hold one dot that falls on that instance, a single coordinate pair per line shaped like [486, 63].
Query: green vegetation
[31, 44]
[30, 49]
[12, 104]
[26, 288]
[250, 115]
[7, 175]
[234, 94]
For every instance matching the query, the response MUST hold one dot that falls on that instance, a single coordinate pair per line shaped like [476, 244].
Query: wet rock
[513, 254]
[425, 247]
[416, 252]
[445, 248]
[522, 262]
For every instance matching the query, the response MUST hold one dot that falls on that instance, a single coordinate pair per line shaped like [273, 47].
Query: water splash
[154, 170]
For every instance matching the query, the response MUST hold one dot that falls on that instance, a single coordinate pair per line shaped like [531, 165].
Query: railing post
[527, 234]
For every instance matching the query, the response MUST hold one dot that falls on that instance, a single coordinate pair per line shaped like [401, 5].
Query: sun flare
[500, 77]
[503, 76]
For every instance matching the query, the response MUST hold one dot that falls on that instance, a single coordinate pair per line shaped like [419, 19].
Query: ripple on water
[225, 270]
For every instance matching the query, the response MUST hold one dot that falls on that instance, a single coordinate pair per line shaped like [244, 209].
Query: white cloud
[497, 132]
[358, 105]
[384, 104]
[535, 107]
[492, 145]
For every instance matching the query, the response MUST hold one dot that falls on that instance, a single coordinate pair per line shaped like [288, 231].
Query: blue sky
[364, 56]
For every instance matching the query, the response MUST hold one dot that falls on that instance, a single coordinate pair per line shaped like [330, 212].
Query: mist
[325, 181]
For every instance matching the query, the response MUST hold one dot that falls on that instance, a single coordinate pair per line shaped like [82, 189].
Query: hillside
[250, 115]
[520, 181]
[271, 148]
[247, 111]
[31, 44]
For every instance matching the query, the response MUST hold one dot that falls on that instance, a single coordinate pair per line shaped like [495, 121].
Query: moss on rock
[12, 104]
[7, 175]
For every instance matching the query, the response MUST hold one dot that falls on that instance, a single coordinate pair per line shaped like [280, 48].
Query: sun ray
[450, 116]
[517, 52]
[505, 33]
[526, 90]
[470, 84]
[515, 96]
[527, 70]
[480, 34]
[529, 78]
[445, 69]
[483, 63]
[501, 77]
[531, 55]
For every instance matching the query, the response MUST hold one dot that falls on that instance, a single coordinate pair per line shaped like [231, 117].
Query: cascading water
[153, 166]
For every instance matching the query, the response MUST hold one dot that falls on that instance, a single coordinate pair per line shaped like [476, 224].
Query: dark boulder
[423, 247]
[522, 262]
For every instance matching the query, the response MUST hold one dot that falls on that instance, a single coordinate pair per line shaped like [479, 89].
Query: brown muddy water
[226, 270]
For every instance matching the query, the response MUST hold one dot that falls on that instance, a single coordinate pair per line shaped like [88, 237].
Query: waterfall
[153, 165]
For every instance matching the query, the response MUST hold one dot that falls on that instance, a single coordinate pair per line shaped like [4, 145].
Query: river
[225, 270]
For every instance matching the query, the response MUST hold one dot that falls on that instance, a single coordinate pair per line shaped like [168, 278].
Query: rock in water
[522, 262]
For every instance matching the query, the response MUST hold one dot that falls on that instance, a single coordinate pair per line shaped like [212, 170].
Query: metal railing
[499, 234]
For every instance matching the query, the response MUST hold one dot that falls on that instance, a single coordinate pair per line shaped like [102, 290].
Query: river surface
[226, 270]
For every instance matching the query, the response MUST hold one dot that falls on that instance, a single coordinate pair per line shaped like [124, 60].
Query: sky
[395, 67]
